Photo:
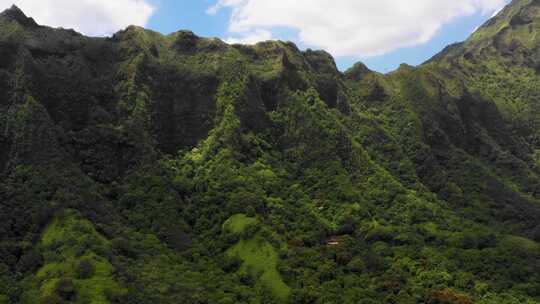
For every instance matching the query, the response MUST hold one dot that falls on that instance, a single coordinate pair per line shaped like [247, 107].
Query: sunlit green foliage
[76, 266]
[259, 261]
[238, 223]
[145, 168]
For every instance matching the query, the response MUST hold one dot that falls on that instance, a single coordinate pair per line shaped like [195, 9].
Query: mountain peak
[14, 8]
[357, 72]
[512, 35]
[515, 15]
[14, 13]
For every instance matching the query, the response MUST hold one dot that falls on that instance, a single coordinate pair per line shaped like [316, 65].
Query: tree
[85, 269]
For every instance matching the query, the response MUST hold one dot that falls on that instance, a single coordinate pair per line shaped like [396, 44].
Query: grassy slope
[67, 242]
[238, 223]
[259, 258]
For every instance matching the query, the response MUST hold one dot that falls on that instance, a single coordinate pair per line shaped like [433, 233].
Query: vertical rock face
[184, 107]
[146, 145]
[91, 87]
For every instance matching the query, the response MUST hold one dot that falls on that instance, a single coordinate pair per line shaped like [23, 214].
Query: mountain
[143, 168]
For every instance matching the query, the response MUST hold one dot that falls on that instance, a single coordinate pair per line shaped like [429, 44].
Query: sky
[380, 33]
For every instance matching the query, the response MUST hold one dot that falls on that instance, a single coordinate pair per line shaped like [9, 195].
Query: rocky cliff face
[209, 172]
[109, 99]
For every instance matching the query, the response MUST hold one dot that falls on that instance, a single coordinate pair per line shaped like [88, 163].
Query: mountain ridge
[149, 168]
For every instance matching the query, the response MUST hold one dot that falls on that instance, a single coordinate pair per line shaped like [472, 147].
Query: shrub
[50, 299]
[30, 262]
[65, 289]
[356, 265]
[231, 263]
[85, 269]
[115, 295]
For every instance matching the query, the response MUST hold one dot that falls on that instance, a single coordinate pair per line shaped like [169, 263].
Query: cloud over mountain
[350, 27]
[91, 17]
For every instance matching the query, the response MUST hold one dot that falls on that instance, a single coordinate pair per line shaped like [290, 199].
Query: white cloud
[252, 37]
[359, 28]
[91, 17]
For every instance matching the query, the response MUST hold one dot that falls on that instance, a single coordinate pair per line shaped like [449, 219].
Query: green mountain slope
[144, 168]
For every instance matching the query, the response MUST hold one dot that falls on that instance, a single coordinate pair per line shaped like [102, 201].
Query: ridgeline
[144, 168]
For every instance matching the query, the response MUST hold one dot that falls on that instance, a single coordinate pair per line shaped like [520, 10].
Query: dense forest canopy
[144, 168]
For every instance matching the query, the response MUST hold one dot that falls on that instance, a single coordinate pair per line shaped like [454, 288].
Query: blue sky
[457, 31]
[173, 15]
[380, 33]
